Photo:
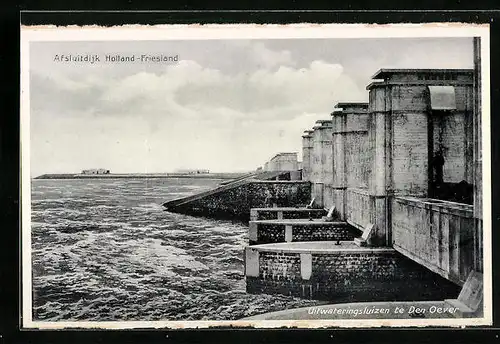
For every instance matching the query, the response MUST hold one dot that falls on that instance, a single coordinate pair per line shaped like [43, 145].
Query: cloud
[270, 58]
[189, 90]
[183, 116]
[227, 105]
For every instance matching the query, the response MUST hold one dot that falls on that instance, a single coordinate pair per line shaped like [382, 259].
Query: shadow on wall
[454, 192]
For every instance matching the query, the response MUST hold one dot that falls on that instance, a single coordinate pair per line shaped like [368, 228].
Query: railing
[437, 234]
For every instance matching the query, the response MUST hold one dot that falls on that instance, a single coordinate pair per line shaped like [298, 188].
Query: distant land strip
[140, 175]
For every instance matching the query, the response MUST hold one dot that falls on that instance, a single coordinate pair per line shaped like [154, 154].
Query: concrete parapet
[292, 230]
[437, 234]
[285, 213]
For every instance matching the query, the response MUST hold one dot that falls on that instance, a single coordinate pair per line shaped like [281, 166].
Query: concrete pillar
[307, 147]
[288, 233]
[380, 153]
[316, 166]
[379, 136]
[254, 215]
[252, 231]
[339, 177]
[251, 262]
[478, 158]
[325, 138]
[326, 162]
[305, 266]
[350, 136]
[399, 138]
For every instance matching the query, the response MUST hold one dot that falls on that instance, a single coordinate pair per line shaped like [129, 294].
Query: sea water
[105, 249]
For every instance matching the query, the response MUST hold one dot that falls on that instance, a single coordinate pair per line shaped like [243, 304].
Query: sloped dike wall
[235, 203]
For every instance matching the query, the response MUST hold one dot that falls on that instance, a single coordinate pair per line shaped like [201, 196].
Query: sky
[226, 105]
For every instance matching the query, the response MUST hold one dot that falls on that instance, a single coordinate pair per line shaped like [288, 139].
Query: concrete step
[470, 300]
[293, 230]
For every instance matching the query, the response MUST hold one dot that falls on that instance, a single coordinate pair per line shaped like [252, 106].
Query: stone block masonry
[285, 213]
[236, 203]
[341, 274]
[274, 231]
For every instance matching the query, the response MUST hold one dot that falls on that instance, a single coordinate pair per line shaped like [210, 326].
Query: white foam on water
[134, 259]
[163, 257]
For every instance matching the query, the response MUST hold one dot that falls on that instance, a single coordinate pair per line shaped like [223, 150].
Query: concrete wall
[452, 133]
[352, 155]
[329, 197]
[284, 162]
[346, 276]
[317, 192]
[359, 210]
[237, 202]
[357, 154]
[404, 133]
[437, 234]
[409, 154]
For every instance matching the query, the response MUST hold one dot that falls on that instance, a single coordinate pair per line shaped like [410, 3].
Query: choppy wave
[106, 250]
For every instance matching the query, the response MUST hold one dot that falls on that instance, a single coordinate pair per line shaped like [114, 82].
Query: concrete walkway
[365, 310]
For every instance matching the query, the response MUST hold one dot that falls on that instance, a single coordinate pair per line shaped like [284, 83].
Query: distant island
[228, 175]
[96, 171]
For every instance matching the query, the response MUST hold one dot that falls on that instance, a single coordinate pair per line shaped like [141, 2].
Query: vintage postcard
[309, 176]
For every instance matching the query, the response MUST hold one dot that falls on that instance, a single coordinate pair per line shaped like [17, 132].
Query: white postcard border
[248, 31]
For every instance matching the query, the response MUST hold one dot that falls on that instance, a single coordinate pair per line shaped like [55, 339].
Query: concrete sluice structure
[401, 177]
[406, 165]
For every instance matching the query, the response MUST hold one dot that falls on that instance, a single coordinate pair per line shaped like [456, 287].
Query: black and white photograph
[255, 175]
